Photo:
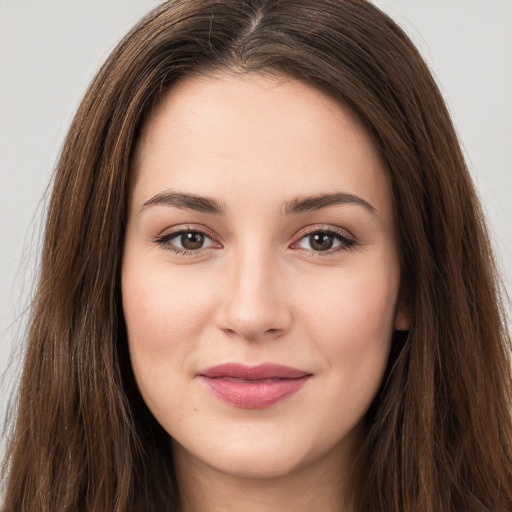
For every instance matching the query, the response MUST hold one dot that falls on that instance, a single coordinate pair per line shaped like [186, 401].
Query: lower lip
[254, 394]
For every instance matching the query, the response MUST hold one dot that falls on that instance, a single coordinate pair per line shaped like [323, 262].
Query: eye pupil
[321, 241]
[192, 240]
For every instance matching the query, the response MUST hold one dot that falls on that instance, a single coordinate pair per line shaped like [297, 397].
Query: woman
[266, 283]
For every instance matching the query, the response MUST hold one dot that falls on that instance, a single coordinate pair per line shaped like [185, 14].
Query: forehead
[260, 136]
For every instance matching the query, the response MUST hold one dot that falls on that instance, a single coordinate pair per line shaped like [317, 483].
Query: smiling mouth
[253, 387]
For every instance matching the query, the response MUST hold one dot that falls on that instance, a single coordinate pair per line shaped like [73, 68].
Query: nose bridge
[254, 302]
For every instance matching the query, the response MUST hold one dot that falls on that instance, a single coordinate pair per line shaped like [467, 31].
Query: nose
[254, 303]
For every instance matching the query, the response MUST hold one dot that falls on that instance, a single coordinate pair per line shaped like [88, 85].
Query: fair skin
[267, 278]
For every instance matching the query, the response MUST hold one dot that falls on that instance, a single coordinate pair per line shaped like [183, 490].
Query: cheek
[352, 325]
[164, 315]
[162, 310]
[357, 306]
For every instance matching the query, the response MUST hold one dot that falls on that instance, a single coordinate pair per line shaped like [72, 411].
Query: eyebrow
[311, 203]
[297, 205]
[187, 201]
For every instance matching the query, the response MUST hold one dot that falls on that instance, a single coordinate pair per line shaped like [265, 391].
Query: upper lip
[259, 372]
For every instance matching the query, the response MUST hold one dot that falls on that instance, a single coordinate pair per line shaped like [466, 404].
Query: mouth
[253, 387]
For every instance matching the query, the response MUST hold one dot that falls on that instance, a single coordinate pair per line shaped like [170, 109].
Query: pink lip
[253, 387]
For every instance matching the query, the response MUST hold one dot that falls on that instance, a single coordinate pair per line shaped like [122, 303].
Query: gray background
[49, 51]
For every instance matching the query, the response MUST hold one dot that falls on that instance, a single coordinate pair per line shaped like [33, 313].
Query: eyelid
[164, 237]
[180, 228]
[348, 240]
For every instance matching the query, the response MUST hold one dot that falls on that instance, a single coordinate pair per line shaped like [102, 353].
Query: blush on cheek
[359, 313]
[162, 317]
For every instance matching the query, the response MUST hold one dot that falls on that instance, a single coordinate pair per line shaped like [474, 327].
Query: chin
[255, 464]
[264, 453]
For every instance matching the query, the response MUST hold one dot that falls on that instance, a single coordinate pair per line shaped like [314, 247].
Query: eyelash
[164, 241]
[347, 242]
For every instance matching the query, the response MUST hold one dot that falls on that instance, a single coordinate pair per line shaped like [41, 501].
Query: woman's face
[260, 274]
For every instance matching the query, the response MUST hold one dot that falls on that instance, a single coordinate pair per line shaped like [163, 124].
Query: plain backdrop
[50, 50]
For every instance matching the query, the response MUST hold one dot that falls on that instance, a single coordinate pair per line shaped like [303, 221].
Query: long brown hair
[439, 431]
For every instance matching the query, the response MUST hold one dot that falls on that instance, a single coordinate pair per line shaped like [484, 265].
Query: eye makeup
[317, 240]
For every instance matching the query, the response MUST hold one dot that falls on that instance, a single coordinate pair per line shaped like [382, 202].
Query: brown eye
[192, 240]
[325, 240]
[185, 241]
[321, 241]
